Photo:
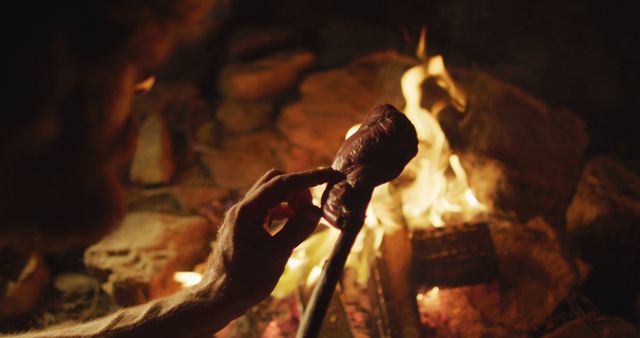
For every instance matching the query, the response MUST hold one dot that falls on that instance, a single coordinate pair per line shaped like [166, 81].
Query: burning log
[394, 268]
[533, 277]
[376, 153]
[455, 255]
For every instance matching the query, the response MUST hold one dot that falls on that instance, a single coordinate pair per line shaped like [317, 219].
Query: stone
[491, 184]
[137, 261]
[183, 199]
[186, 118]
[607, 189]
[542, 146]
[243, 117]
[153, 159]
[193, 198]
[603, 226]
[534, 276]
[248, 41]
[243, 159]
[159, 200]
[507, 191]
[21, 289]
[603, 219]
[266, 78]
[333, 101]
[206, 134]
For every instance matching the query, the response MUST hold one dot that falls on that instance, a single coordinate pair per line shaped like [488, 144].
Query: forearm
[193, 312]
[242, 270]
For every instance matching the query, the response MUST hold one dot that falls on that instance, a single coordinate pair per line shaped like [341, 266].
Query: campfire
[427, 248]
[490, 231]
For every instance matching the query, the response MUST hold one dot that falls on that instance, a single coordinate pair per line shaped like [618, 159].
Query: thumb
[298, 227]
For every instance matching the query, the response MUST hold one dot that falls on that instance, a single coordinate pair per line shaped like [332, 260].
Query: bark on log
[396, 263]
[456, 255]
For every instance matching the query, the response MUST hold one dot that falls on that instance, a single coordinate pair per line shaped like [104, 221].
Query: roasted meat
[376, 153]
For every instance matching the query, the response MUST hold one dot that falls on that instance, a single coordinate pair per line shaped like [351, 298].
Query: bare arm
[194, 312]
[242, 270]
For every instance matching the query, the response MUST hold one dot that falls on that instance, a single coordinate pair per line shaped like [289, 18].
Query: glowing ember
[429, 299]
[187, 278]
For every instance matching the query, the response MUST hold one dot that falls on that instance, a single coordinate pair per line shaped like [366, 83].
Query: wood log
[396, 269]
[456, 255]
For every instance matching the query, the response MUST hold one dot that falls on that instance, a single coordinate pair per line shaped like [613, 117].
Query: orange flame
[432, 194]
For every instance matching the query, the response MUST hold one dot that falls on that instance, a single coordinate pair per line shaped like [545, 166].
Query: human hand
[248, 261]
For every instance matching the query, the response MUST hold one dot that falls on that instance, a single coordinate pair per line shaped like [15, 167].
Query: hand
[248, 261]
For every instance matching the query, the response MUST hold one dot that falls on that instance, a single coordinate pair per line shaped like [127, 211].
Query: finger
[299, 198]
[298, 228]
[271, 173]
[275, 191]
[281, 211]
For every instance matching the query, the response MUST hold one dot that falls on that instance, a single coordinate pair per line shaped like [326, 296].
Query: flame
[187, 278]
[438, 192]
[433, 194]
[421, 51]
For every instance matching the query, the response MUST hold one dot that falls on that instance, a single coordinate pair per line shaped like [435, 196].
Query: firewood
[396, 269]
[455, 255]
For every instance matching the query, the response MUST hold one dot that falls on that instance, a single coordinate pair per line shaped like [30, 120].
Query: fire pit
[492, 230]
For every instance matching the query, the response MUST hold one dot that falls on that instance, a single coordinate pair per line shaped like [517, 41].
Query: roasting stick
[332, 270]
[375, 154]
